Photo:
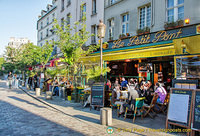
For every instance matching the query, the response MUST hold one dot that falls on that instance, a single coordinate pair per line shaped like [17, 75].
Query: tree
[72, 42]
[44, 54]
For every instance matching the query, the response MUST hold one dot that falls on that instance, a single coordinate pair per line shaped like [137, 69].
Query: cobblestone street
[21, 115]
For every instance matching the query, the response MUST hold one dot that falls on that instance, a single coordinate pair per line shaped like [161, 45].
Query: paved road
[21, 115]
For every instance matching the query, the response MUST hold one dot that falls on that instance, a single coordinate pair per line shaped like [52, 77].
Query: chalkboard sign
[196, 112]
[97, 95]
[179, 110]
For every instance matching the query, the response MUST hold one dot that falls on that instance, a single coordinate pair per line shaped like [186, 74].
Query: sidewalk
[147, 126]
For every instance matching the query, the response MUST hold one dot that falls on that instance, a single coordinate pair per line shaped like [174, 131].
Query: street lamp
[101, 28]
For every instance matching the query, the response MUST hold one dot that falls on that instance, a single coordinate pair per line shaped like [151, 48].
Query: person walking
[10, 77]
[35, 81]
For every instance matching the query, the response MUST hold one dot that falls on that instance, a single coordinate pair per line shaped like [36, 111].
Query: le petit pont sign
[154, 37]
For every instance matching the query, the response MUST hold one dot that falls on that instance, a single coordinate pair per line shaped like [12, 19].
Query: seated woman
[117, 90]
[149, 93]
[56, 88]
[161, 93]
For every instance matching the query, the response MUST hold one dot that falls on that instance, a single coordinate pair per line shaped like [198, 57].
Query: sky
[18, 18]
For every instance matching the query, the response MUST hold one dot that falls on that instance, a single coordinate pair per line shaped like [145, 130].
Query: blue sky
[19, 19]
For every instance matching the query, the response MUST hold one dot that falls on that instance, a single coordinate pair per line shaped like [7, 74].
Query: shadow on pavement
[87, 119]
[21, 100]
[16, 121]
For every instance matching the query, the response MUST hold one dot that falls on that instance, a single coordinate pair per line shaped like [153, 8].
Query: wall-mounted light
[187, 21]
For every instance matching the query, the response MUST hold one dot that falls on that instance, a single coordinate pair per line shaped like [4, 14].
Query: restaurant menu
[196, 114]
[97, 95]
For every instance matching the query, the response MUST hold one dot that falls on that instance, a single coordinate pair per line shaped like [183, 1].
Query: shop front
[154, 56]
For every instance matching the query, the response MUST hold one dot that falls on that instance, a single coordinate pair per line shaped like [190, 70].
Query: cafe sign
[154, 37]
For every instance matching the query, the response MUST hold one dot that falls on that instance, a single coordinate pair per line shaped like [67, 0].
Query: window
[125, 23]
[112, 2]
[83, 11]
[41, 36]
[111, 29]
[94, 11]
[53, 17]
[62, 23]
[68, 18]
[145, 17]
[41, 44]
[52, 30]
[175, 10]
[47, 33]
[62, 4]
[68, 2]
[93, 31]
[41, 25]
[47, 20]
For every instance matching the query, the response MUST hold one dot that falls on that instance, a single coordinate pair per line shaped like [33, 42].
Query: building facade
[72, 11]
[45, 25]
[17, 42]
[149, 38]
[132, 16]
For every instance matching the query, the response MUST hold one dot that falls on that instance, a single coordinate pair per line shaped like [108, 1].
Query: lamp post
[101, 28]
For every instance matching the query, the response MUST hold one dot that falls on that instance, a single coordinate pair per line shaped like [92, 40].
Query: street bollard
[106, 116]
[103, 116]
[38, 91]
[48, 95]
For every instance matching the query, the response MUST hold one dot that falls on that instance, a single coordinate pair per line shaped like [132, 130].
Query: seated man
[132, 95]
[149, 93]
[56, 88]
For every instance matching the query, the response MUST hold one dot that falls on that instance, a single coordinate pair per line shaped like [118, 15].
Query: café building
[158, 56]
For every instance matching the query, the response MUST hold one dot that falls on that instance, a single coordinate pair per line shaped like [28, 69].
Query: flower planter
[140, 33]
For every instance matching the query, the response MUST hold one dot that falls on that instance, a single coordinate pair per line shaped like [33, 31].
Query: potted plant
[127, 34]
[140, 31]
[170, 25]
[122, 36]
[146, 30]
[180, 23]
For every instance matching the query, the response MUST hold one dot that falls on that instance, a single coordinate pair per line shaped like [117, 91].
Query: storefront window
[188, 67]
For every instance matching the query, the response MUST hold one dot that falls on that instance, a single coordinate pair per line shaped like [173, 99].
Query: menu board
[180, 102]
[196, 112]
[97, 95]
[178, 111]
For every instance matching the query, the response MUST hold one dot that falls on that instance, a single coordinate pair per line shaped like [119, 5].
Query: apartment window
[83, 10]
[145, 17]
[47, 20]
[94, 10]
[111, 29]
[68, 18]
[125, 23]
[53, 17]
[41, 25]
[41, 44]
[112, 2]
[62, 23]
[62, 4]
[93, 31]
[41, 36]
[175, 10]
[68, 2]
[52, 30]
[47, 33]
